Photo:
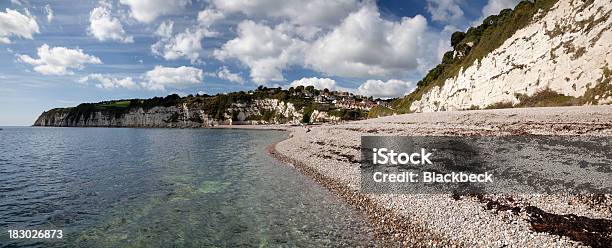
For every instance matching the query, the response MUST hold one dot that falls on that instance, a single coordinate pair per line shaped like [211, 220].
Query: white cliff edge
[566, 51]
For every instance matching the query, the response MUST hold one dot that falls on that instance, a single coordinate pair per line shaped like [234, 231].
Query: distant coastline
[261, 106]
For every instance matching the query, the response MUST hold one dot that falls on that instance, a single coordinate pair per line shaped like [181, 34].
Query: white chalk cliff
[176, 116]
[567, 50]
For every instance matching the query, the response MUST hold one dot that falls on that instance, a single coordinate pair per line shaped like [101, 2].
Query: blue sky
[60, 53]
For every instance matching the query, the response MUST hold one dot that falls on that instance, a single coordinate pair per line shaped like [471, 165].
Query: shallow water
[164, 188]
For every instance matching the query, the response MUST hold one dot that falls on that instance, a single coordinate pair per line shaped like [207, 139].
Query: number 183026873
[35, 234]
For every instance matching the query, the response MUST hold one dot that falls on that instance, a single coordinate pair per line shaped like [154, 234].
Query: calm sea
[164, 188]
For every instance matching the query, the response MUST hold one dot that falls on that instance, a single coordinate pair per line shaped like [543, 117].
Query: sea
[130, 187]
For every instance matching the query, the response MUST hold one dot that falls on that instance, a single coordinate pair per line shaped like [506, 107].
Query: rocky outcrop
[322, 116]
[256, 112]
[568, 50]
[263, 111]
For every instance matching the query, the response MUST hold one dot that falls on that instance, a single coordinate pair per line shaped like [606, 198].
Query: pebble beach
[330, 155]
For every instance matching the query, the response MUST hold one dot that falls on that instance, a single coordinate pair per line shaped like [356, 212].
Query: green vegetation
[265, 115]
[349, 114]
[499, 105]
[542, 98]
[602, 90]
[546, 98]
[379, 111]
[472, 46]
[474, 107]
[307, 113]
[170, 100]
[119, 104]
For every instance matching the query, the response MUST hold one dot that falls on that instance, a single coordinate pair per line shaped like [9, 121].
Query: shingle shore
[330, 154]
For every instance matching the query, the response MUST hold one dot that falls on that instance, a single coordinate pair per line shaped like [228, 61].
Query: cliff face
[567, 50]
[262, 111]
[155, 117]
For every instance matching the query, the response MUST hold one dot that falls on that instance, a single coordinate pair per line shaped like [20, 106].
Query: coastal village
[314, 105]
[338, 99]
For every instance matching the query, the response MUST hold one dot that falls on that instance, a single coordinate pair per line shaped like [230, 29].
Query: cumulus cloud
[103, 26]
[186, 44]
[226, 74]
[59, 60]
[306, 32]
[318, 83]
[13, 23]
[49, 12]
[365, 45]
[108, 82]
[265, 50]
[389, 89]
[493, 7]
[208, 17]
[444, 10]
[313, 12]
[161, 77]
[165, 29]
[147, 11]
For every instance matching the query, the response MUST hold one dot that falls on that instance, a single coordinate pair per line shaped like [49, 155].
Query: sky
[61, 53]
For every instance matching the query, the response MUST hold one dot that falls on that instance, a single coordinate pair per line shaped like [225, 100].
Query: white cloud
[165, 29]
[49, 12]
[365, 45]
[312, 12]
[103, 26]
[445, 10]
[306, 32]
[226, 74]
[17, 2]
[318, 83]
[208, 17]
[58, 60]
[13, 23]
[493, 7]
[147, 11]
[266, 51]
[187, 44]
[108, 82]
[389, 89]
[161, 77]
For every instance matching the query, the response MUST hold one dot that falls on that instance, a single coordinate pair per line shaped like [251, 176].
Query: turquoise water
[164, 188]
